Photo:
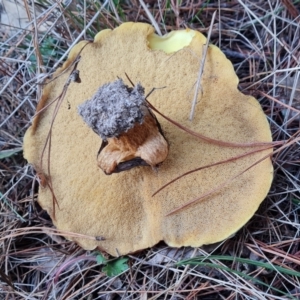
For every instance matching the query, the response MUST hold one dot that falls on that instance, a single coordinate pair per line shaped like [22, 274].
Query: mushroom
[121, 207]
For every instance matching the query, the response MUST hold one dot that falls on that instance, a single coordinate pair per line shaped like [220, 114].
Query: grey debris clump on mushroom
[114, 109]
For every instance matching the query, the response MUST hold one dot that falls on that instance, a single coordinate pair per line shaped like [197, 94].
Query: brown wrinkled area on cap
[120, 207]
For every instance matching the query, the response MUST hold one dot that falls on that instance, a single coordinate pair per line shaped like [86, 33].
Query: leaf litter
[275, 224]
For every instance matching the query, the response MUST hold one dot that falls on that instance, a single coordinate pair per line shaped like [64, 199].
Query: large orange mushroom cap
[120, 207]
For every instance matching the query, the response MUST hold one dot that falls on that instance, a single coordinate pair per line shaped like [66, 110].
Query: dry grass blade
[213, 141]
[209, 166]
[201, 69]
[216, 189]
[151, 18]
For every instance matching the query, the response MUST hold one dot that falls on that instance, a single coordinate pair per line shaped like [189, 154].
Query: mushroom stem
[131, 135]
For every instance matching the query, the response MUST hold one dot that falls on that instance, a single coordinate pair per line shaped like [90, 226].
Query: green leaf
[101, 260]
[115, 267]
[10, 152]
[296, 202]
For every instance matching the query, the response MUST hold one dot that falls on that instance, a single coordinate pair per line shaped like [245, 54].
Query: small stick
[201, 68]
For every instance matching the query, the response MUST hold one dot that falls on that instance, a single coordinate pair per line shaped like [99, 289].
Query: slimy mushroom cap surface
[120, 207]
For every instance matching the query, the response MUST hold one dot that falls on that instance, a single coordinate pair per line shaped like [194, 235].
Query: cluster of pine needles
[261, 261]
